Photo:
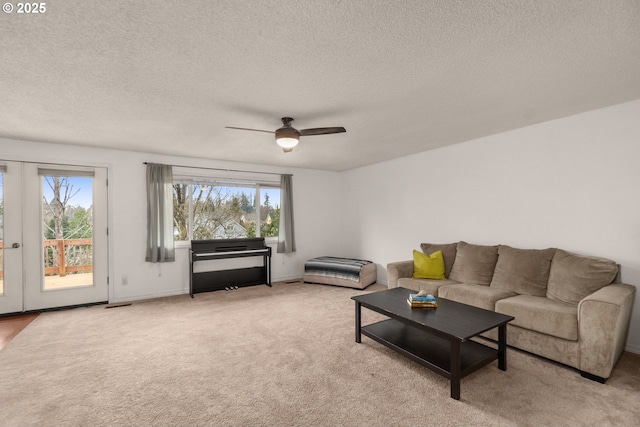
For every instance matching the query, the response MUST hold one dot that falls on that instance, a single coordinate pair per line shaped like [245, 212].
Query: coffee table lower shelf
[430, 350]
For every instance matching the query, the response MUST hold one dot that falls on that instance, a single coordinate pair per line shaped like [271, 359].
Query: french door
[53, 236]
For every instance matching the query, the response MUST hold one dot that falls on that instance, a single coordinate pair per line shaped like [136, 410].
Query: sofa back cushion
[523, 271]
[474, 264]
[573, 277]
[448, 253]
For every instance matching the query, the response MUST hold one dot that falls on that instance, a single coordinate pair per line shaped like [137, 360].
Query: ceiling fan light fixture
[287, 143]
[287, 138]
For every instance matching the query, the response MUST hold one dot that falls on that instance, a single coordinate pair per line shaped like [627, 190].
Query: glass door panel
[67, 231]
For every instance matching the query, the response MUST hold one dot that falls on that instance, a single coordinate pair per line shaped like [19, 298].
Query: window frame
[227, 179]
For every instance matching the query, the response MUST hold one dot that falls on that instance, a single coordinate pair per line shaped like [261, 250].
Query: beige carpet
[281, 356]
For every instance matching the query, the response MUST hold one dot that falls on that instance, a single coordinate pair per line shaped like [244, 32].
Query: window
[215, 208]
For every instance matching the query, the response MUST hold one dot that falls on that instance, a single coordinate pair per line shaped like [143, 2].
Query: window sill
[185, 244]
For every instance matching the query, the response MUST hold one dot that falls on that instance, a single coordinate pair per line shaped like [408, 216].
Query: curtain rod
[221, 169]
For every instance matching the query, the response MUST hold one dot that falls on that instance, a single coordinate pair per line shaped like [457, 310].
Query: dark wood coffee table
[440, 338]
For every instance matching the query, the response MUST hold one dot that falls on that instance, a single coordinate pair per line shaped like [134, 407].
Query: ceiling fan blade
[321, 131]
[254, 130]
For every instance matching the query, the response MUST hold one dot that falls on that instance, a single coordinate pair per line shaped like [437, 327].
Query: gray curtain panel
[286, 235]
[160, 247]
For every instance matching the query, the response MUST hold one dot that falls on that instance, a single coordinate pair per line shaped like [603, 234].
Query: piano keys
[227, 276]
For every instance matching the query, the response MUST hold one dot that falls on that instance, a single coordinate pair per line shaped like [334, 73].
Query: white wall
[315, 209]
[572, 183]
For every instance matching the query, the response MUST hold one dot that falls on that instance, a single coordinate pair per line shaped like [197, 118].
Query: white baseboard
[185, 292]
[147, 296]
[286, 278]
[633, 348]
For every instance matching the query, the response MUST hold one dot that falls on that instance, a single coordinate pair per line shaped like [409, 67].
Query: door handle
[14, 246]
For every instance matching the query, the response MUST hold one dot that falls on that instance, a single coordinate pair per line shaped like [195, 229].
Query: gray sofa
[567, 307]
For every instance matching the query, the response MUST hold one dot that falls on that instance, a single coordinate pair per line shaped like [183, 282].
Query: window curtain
[160, 247]
[286, 235]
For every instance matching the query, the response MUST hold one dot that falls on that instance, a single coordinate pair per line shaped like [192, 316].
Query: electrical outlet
[125, 281]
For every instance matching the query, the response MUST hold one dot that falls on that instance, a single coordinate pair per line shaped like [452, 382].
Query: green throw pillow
[428, 266]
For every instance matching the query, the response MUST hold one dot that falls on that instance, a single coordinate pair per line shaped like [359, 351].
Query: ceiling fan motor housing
[287, 132]
[287, 137]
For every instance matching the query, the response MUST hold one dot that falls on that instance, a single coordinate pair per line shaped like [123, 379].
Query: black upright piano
[221, 249]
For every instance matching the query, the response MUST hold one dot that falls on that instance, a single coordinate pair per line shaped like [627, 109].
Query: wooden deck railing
[68, 256]
[63, 256]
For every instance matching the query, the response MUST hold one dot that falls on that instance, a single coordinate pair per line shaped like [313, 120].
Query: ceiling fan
[287, 136]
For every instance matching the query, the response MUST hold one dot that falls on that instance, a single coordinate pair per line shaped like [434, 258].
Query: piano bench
[348, 272]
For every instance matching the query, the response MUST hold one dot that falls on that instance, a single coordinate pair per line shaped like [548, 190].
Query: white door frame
[34, 296]
[11, 299]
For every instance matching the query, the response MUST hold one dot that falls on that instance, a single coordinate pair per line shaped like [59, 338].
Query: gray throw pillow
[524, 271]
[573, 277]
[474, 264]
[448, 253]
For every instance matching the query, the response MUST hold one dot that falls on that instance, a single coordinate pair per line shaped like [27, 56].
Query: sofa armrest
[398, 270]
[603, 323]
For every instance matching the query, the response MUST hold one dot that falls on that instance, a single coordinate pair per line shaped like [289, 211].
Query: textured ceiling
[401, 76]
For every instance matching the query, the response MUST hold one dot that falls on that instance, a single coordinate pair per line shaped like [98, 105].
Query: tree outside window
[224, 211]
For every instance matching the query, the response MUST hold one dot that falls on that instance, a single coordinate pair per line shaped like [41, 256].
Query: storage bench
[352, 273]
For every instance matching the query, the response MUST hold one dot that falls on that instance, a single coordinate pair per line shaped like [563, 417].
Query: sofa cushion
[428, 266]
[448, 253]
[572, 277]
[428, 285]
[476, 295]
[542, 314]
[523, 271]
[474, 264]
